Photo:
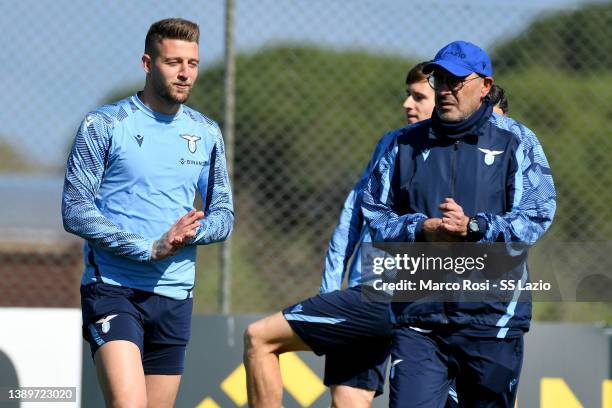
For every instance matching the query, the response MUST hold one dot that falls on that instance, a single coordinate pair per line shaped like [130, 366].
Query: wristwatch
[474, 233]
[473, 228]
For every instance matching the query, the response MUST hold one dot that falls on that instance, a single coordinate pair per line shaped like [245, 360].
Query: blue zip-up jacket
[496, 170]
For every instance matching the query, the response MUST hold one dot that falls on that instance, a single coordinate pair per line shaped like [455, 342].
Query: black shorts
[354, 334]
[158, 325]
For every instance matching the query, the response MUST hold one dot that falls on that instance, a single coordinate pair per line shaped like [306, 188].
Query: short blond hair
[171, 28]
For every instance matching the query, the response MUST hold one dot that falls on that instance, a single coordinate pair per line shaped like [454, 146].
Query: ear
[487, 83]
[146, 63]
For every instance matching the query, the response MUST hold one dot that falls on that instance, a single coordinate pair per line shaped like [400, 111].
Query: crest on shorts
[105, 322]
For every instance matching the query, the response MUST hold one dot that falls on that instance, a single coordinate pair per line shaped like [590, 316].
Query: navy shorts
[424, 364]
[158, 325]
[355, 336]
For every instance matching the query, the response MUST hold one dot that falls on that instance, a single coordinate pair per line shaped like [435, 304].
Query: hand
[432, 229]
[454, 221]
[179, 234]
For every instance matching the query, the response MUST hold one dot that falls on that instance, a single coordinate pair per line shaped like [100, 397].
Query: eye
[454, 82]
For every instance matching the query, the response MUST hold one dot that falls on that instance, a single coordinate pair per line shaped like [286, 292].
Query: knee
[125, 396]
[255, 338]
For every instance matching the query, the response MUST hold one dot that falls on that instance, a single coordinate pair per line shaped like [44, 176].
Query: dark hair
[497, 96]
[171, 28]
[416, 73]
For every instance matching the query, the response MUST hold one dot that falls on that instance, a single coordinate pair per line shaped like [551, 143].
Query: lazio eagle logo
[490, 155]
[105, 322]
[191, 142]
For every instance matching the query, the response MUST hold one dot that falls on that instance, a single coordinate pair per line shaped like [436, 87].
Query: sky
[63, 58]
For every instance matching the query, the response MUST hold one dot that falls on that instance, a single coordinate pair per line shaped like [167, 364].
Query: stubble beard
[450, 117]
[165, 92]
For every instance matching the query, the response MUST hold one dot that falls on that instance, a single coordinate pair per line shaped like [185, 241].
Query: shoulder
[413, 137]
[116, 112]
[515, 129]
[400, 138]
[405, 133]
[106, 117]
[199, 118]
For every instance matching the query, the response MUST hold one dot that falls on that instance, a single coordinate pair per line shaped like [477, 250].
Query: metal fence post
[228, 131]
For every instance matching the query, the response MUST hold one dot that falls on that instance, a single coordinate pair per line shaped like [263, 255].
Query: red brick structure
[42, 273]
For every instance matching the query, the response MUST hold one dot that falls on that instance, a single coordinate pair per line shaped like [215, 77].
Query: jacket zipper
[452, 194]
[454, 168]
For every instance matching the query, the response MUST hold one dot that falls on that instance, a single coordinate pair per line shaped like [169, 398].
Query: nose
[183, 74]
[443, 88]
[408, 103]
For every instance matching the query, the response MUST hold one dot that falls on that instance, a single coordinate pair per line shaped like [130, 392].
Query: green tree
[572, 40]
[307, 121]
[558, 77]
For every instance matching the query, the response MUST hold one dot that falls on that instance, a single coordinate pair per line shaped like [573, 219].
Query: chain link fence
[317, 85]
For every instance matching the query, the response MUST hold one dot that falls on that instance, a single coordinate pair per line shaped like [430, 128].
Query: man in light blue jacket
[131, 179]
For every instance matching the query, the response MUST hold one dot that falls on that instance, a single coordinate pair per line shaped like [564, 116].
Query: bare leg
[344, 396]
[121, 375]
[162, 390]
[264, 340]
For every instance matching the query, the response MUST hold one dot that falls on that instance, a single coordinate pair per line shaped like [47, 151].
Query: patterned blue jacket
[496, 170]
[131, 174]
[351, 232]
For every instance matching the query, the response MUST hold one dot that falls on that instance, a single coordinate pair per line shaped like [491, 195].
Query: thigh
[119, 368]
[332, 321]
[162, 390]
[419, 373]
[489, 371]
[345, 396]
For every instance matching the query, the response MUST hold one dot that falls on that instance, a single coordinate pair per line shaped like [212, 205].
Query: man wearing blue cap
[353, 334]
[466, 175]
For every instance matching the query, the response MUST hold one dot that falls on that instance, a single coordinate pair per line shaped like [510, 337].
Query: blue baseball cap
[461, 58]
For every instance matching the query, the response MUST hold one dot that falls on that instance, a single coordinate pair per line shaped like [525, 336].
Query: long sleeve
[217, 194]
[533, 193]
[349, 231]
[343, 241]
[84, 173]
[377, 206]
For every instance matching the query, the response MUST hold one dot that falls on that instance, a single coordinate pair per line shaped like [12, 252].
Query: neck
[156, 103]
[465, 126]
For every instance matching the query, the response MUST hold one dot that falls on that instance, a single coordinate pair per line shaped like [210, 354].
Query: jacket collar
[457, 130]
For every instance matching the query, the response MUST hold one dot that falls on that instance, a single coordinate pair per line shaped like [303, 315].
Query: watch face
[473, 225]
